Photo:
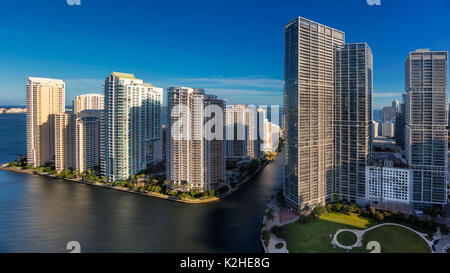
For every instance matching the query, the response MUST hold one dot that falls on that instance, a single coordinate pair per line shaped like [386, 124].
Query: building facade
[353, 119]
[88, 102]
[244, 125]
[389, 113]
[272, 133]
[45, 97]
[87, 140]
[374, 129]
[308, 106]
[388, 184]
[425, 121]
[64, 131]
[400, 127]
[388, 129]
[193, 161]
[132, 126]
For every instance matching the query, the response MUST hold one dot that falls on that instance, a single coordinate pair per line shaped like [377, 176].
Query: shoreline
[149, 194]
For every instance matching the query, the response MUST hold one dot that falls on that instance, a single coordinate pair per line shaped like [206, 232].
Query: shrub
[443, 228]
[279, 245]
[319, 211]
[265, 234]
[277, 230]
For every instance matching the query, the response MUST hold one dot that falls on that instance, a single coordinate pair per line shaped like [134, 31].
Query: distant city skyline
[239, 60]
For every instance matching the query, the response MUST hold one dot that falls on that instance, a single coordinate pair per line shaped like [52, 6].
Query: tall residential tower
[131, 138]
[426, 125]
[308, 103]
[45, 97]
[353, 119]
[193, 161]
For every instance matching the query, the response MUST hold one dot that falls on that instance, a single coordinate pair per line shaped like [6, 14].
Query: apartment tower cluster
[117, 134]
[329, 124]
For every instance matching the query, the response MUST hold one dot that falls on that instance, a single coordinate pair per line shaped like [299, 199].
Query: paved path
[442, 245]
[268, 224]
[360, 233]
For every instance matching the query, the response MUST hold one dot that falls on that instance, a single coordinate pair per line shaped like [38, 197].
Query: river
[39, 214]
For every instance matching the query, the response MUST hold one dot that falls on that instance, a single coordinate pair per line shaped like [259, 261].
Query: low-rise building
[388, 178]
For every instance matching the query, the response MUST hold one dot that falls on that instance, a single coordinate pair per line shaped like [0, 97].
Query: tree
[269, 214]
[379, 217]
[265, 234]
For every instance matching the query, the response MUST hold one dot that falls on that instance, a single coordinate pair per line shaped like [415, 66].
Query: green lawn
[347, 238]
[394, 239]
[315, 237]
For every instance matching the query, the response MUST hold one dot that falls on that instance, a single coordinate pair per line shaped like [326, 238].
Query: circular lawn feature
[346, 238]
[395, 239]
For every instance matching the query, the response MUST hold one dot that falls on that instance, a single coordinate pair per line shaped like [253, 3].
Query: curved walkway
[442, 245]
[360, 233]
[268, 224]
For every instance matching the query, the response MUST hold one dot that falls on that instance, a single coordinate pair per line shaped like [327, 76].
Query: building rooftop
[123, 75]
[388, 159]
[37, 79]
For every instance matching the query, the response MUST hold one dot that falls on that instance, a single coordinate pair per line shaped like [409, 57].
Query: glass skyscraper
[426, 125]
[308, 104]
[353, 119]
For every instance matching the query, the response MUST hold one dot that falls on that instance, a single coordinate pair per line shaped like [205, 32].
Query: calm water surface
[39, 214]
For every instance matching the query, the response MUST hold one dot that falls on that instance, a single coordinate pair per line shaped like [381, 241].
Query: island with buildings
[13, 110]
[116, 139]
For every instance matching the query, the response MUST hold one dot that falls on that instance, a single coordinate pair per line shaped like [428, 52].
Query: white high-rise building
[88, 102]
[374, 128]
[87, 140]
[243, 127]
[388, 129]
[194, 161]
[272, 134]
[88, 110]
[132, 126]
[45, 97]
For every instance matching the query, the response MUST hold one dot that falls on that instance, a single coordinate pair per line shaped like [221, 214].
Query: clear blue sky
[231, 48]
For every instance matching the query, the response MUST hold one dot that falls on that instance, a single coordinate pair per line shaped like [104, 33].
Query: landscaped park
[340, 228]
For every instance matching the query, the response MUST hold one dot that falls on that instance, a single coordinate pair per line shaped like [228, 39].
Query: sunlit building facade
[131, 137]
[45, 97]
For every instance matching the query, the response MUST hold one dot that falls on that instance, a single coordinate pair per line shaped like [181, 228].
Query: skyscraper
[388, 129]
[132, 130]
[45, 97]
[192, 160]
[389, 113]
[396, 105]
[87, 140]
[353, 119]
[308, 104]
[243, 127]
[88, 102]
[89, 113]
[426, 121]
[64, 141]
